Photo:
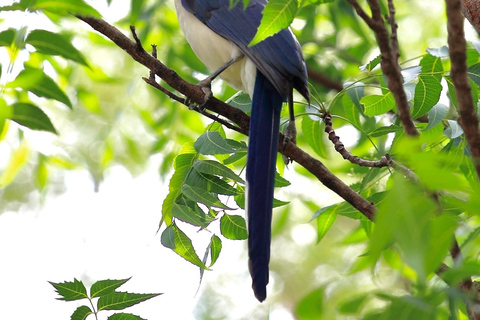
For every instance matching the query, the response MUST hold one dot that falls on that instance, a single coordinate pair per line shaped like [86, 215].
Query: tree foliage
[401, 244]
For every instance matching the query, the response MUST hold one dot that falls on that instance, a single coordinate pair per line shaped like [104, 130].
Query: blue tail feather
[260, 177]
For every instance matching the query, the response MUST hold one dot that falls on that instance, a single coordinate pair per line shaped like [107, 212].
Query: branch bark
[242, 120]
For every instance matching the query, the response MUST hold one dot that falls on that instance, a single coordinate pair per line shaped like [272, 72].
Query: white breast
[214, 51]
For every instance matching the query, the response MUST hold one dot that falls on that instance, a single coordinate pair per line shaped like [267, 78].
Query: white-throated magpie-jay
[268, 71]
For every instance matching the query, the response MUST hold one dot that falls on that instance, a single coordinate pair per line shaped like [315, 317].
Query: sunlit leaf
[202, 196]
[215, 248]
[175, 239]
[211, 142]
[375, 104]
[31, 117]
[233, 227]
[312, 131]
[190, 216]
[311, 306]
[70, 291]
[325, 221]
[65, 7]
[277, 15]
[372, 64]
[17, 161]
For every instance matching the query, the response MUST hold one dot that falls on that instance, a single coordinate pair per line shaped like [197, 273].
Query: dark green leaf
[474, 73]
[190, 216]
[216, 168]
[372, 64]
[7, 37]
[54, 44]
[103, 287]
[280, 181]
[385, 130]
[124, 316]
[70, 291]
[81, 313]
[173, 238]
[233, 227]
[427, 94]
[31, 117]
[311, 306]
[37, 82]
[211, 142]
[277, 15]
[122, 300]
[65, 8]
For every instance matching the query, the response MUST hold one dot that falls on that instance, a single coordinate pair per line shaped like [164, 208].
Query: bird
[269, 71]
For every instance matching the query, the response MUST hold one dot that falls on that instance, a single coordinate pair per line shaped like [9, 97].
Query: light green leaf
[233, 227]
[32, 117]
[277, 15]
[385, 130]
[122, 300]
[65, 8]
[355, 91]
[70, 291]
[17, 161]
[427, 94]
[173, 238]
[375, 104]
[311, 306]
[190, 216]
[372, 64]
[312, 131]
[37, 82]
[241, 100]
[81, 313]
[54, 44]
[211, 143]
[203, 196]
[104, 287]
[216, 168]
[325, 221]
[215, 248]
[352, 305]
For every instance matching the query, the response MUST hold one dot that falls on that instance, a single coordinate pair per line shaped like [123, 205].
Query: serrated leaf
[216, 168]
[203, 196]
[32, 117]
[385, 130]
[378, 104]
[124, 316]
[174, 238]
[37, 82]
[104, 287]
[81, 313]
[372, 64]
[312, 132]
[65, 7]
[7, 37]
[215, 248]
[325, 221]
[241, 100]
[211, 143]
[427, 94]
[70, 291]
[436, 115]
[122, 300]
[54, 44]
[233, 227]
[277, 15]
[190, 216]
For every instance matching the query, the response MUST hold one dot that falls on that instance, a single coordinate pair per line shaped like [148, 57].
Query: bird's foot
[290, 136]
[206, 86]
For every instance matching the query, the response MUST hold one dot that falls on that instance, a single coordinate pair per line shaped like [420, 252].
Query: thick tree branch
[389, 63]
[195, 94]
[457, 49]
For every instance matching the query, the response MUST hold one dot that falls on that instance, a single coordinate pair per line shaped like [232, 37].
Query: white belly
[214, 51]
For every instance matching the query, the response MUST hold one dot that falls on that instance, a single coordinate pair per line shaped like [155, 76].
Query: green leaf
[216, 168]
[122, 300]
[7, 37]
[54, 44]
[173, 238]
[372, 64]
[215, 248]
[65, 8]
[280, 181]
[233, 227]
[241, 100]
[325, 220]
[277, 15]
[17, 161]
[312, 131]
[355, 91]
[427, 94]
[211, 143]
[410, 73]
[376, 104]
[70, 291]
[438, 52]
[311, 306]
[124, 316]
[454, 129]
[203, 196]
[32, 117]
[436, 115]
[455, 274]
[190, 216]
[81, 313]
[385, 130]
[104, 287]
[37, 82]
[352, 305]
[474, 73]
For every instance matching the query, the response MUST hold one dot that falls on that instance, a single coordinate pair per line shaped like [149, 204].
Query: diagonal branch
[242, 120]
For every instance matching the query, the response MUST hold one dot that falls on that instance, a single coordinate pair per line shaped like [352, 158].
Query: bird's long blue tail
[260, 176]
